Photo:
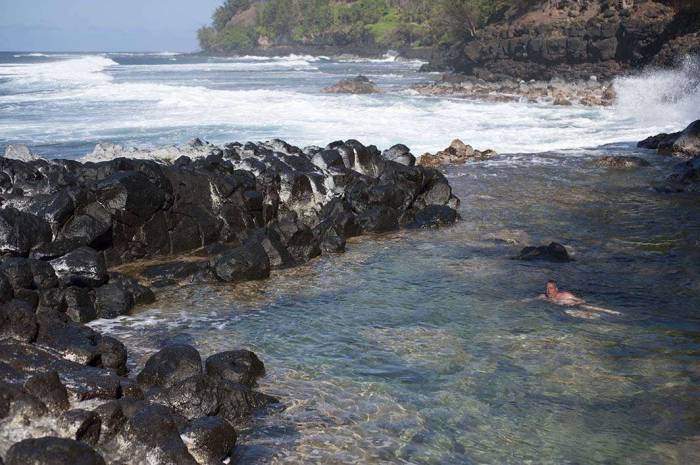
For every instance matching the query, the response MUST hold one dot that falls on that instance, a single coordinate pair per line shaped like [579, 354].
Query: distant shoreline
[418, 53]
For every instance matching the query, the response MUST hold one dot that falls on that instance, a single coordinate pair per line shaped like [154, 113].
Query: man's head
[551, 288]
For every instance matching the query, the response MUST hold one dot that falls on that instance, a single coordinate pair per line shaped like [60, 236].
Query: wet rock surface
[228, 214]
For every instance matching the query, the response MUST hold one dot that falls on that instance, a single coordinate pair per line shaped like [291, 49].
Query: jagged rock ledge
[65, 393]
[589, 92]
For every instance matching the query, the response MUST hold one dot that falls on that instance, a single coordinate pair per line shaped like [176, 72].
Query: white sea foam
[79, 70]
[30, 55]
[96, 99]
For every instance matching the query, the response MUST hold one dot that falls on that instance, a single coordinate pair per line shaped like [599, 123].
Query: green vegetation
[242, 24]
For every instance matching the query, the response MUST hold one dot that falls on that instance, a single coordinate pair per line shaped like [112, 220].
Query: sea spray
[664, 98]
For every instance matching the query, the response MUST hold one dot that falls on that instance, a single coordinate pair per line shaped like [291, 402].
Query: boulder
[202, 395]
[150, 435]
[79, 304]
[82, 382]
[43, 275]
[244, 263]
[79, 343]
[52, 451]
[112, 301]
[81, 425]
[210, 440]
[112, 419]
[169, 366]
[20, 231]
[18, 271]
[554, 252]
[355, 85]
[15, 402]
[82, 267]
[47, 387]
[237, 366]
[18, 321]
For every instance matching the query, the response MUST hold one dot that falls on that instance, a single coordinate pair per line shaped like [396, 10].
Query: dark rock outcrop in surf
[684, 145]
[231, 214]
[354, 85]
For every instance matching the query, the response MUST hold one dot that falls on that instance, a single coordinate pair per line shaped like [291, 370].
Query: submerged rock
[553, 252]
[619, 162]
[356, 85]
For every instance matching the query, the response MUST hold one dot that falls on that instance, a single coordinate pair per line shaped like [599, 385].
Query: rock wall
[575, 39]
[244, 208]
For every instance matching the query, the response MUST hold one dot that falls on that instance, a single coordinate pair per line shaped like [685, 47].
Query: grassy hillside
[243, 24]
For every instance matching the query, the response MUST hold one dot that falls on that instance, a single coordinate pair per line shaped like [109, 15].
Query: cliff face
[575, 39]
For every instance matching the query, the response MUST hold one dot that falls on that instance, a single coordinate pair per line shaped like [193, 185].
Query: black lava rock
[553, 252]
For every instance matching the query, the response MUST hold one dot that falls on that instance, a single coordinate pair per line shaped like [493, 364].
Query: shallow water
[426, 347]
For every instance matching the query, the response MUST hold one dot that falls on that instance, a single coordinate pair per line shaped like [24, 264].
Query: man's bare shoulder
[564, 295]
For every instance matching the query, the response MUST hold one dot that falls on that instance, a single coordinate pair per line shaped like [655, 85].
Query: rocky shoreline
[589, 92]
[235, 212]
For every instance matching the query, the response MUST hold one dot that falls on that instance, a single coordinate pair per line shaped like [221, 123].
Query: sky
[103, 25]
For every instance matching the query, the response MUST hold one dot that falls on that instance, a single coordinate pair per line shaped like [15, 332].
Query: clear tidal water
[425, 347]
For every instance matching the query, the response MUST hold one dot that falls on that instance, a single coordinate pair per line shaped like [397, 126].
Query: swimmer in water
[553, 295]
